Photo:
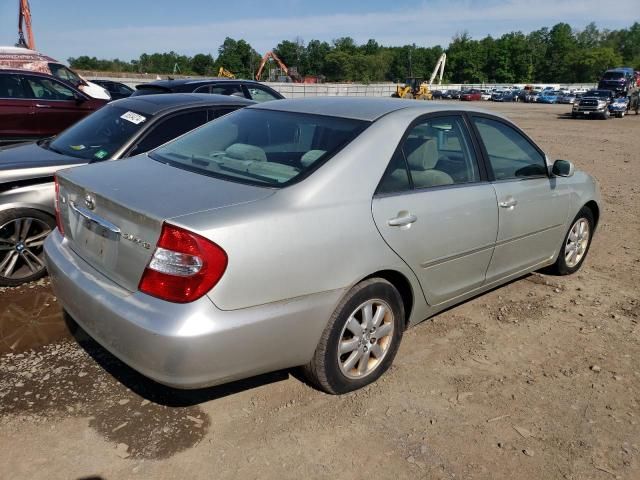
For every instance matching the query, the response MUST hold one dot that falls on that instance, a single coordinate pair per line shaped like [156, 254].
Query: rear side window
[11, 87]
[436, 152]
[45, 89]
[512, 156]
[169, 129]
[262, 147]
[227, 89]
[260, 94]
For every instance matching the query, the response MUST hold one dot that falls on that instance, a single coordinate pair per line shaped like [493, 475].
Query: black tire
[324, 371]
[560, 267]
[605, 115]
[23, 267]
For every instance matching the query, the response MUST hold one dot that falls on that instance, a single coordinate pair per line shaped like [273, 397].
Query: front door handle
[402, 220]
[40, 105]
[509, 203]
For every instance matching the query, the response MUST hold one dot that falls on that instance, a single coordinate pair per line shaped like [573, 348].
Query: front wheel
[22, 235]
[361, 339]
[605, 115]
[575, 245]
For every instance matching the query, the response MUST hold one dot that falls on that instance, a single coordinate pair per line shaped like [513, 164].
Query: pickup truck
[594, 103]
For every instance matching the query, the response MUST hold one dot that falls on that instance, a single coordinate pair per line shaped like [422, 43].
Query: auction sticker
[133, 117]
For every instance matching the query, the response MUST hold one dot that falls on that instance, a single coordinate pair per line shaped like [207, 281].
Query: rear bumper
[186, 345]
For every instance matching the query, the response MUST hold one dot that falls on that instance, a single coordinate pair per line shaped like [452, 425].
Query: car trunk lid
[112, 213]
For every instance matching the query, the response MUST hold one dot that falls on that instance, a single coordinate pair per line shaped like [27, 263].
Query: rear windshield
[613, 75]
[98, 136]
[262, 147]
[149, 90]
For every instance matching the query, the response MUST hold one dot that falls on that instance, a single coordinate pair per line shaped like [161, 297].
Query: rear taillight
[184, 266]
[57, 207]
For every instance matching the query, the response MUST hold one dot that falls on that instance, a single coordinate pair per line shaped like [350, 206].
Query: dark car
[471, 95]
[618, 80]
[35, 105]
[121, 129]
[255, 91]
[117, 90]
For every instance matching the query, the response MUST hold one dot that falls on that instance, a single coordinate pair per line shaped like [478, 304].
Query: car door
[167, 128]
[57, 106]
[533, 206]
[436, 210]
[16, 109]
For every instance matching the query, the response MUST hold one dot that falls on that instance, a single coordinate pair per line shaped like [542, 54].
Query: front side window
[98, 136]
[511, 155]
[260, 94]
[11, 87]
[45, 89]
[435, 152]
[261, 147]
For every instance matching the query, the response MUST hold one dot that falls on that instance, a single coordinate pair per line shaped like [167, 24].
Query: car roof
[193, 81]
[361, 108]
[154, 104]
[22, 71]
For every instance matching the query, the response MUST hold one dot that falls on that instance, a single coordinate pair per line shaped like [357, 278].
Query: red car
[471, 95]
[35, 105]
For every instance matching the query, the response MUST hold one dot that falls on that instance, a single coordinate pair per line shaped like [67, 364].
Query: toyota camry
[308, 232]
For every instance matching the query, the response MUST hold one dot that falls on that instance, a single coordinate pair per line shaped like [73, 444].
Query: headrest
[311, 156]
[425, 157]
[242, 151]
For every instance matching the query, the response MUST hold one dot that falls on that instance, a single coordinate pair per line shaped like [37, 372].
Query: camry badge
[89, 201]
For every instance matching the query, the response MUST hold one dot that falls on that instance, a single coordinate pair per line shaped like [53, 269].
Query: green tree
[202, 64]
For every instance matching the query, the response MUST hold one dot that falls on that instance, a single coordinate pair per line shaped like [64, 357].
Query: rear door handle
[509, 203]
[402, 221]
[40, 105]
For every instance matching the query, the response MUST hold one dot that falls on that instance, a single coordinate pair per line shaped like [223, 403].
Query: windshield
[100, 135]
[613, 75]
[261, 147]
[63, 73]
[598, 93]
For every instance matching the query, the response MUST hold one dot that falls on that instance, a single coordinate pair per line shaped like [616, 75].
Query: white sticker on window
[133, 117]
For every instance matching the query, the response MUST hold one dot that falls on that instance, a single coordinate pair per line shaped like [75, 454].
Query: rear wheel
[22, 235]
[575, 245]
[361, 339]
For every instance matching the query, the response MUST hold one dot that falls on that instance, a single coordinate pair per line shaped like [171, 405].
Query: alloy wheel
[577, 242]
[365, 339]
[21, 247]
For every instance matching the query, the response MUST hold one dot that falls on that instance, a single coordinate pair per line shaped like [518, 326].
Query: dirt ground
[538, 379]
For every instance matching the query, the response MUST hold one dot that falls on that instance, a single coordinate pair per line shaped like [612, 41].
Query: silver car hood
[30, 161]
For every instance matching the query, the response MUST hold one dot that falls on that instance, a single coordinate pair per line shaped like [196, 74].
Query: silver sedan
[308, 232]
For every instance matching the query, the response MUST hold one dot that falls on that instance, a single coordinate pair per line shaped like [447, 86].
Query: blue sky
[69, 28]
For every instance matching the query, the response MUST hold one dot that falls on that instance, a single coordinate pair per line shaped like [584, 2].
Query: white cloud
[434, 22]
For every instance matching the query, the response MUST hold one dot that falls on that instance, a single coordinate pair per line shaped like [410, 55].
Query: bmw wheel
[361, 339]
[22, 235]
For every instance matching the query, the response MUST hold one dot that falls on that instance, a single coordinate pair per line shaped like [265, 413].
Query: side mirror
[562, 168]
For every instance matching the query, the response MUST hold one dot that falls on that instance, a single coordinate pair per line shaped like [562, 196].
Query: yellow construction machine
[414, 87]
[223, 72]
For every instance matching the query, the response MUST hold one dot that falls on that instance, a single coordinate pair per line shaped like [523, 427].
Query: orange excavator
[24, 16]
[289, 72]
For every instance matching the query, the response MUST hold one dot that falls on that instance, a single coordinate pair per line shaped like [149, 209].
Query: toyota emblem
[89, 202]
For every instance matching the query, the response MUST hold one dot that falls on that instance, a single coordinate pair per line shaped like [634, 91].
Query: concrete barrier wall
[297, 90]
